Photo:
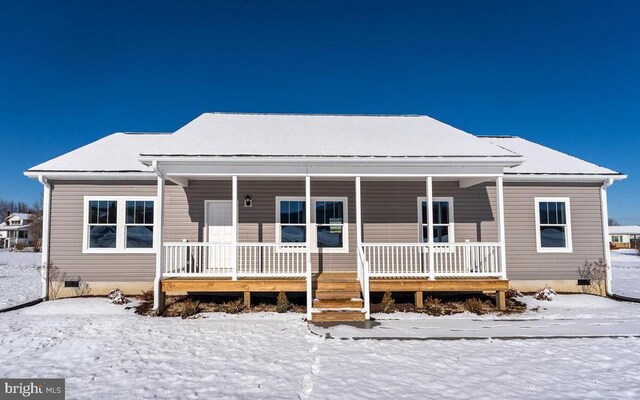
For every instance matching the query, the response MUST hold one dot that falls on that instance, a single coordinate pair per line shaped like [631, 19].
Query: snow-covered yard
[104, 350]
[626, 272]
[20, 279]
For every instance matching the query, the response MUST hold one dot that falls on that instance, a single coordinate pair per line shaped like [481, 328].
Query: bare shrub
[82, 289]
[189, 308]
[117, 297]
[388, 304]
[282, 303]
[35, 233]
[474, 305]
[147, 295]
[433, 306]
[545, 294]
[513, 294]
[596, 273]
[20, 246]
[233, 307]
[55, 281]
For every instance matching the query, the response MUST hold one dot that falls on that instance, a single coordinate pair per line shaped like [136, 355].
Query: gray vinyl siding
[389, 213]
[67, 227]
[523, 260]
[390, 210]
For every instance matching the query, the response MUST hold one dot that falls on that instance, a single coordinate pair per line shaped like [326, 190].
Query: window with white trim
[443, 228]
[616, 239]
[291, 221]
[118, 224]
[329, 222]
[103, 224]
[139, 224]
[553, 225]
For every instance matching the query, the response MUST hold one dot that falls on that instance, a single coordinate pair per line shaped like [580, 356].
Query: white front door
[219, 230]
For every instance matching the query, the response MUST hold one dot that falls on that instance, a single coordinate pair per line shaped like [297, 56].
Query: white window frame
[569, 242]
[121, 231]
[312, 236]
[451, 224]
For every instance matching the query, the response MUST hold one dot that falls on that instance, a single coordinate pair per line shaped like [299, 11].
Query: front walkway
[567, 316]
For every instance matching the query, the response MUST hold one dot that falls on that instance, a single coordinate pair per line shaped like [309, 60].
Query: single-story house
[334, 206]
[14, 229]
[624, 237]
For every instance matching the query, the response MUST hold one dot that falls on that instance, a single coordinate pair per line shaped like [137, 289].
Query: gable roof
[289, 135]
[541, 160]
[117, 152]
[622, 230]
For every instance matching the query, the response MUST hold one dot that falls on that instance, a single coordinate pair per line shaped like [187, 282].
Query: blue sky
[564, 74]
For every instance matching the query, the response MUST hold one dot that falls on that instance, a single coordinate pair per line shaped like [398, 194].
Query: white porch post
[234, 222]
[158, 300]
[501, 231]
[307, 207]
[358, 220]
[44, 244]
[432, 274]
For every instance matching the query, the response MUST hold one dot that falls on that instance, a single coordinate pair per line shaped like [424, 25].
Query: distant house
[624, 237]
[333, 206]
[14, 229]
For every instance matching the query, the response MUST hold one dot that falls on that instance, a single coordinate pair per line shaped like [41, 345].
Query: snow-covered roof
[117, 152]
[22, 216]
[540, 159]
[286, 135]
[622, 230]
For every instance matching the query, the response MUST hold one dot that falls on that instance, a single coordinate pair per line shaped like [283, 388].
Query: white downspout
[158, 235]
[44, 245]
[605, 233]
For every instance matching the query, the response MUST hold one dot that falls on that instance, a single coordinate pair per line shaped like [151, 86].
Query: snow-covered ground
[20, 279]
[104, 350]
[626, 272]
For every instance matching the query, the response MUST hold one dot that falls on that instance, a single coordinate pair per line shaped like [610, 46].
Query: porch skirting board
[100, 288]
[559, 285]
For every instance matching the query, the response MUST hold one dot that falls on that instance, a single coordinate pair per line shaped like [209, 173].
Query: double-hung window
[103, 224]
[118, 224]
[553, 225]
[291, 220]
[443, 229]
[330, 223]
[329, 229]
[139, 224]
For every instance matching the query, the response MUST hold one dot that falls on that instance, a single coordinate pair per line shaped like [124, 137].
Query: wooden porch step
[337, 294]
[349, 286]
[338, 303]
[338, 316]
[337, 277]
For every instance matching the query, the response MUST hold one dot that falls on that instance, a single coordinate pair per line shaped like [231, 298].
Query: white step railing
[449, 259]
[272, 259]
[184, 259]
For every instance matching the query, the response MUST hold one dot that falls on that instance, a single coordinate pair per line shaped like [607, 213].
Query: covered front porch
[361, 234]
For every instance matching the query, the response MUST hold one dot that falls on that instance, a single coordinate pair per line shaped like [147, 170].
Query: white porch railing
[271, 259]
[449, 259]
[184, 259]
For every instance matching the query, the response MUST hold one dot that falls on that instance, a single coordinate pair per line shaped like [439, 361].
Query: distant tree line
[19, 207]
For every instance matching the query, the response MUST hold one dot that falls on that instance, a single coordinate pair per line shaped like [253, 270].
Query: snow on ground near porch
[20, 279]
[104, 350]
[565, 316]
[626, 272]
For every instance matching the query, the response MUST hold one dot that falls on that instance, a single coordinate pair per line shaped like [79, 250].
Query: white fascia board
[561, 177]
[93, 175]
[506, 161]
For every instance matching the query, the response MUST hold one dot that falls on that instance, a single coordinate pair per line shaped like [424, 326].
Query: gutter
[605, 234]
[44, 245]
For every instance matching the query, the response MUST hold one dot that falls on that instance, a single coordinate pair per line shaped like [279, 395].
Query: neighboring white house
[624, 237]
[14, 229]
